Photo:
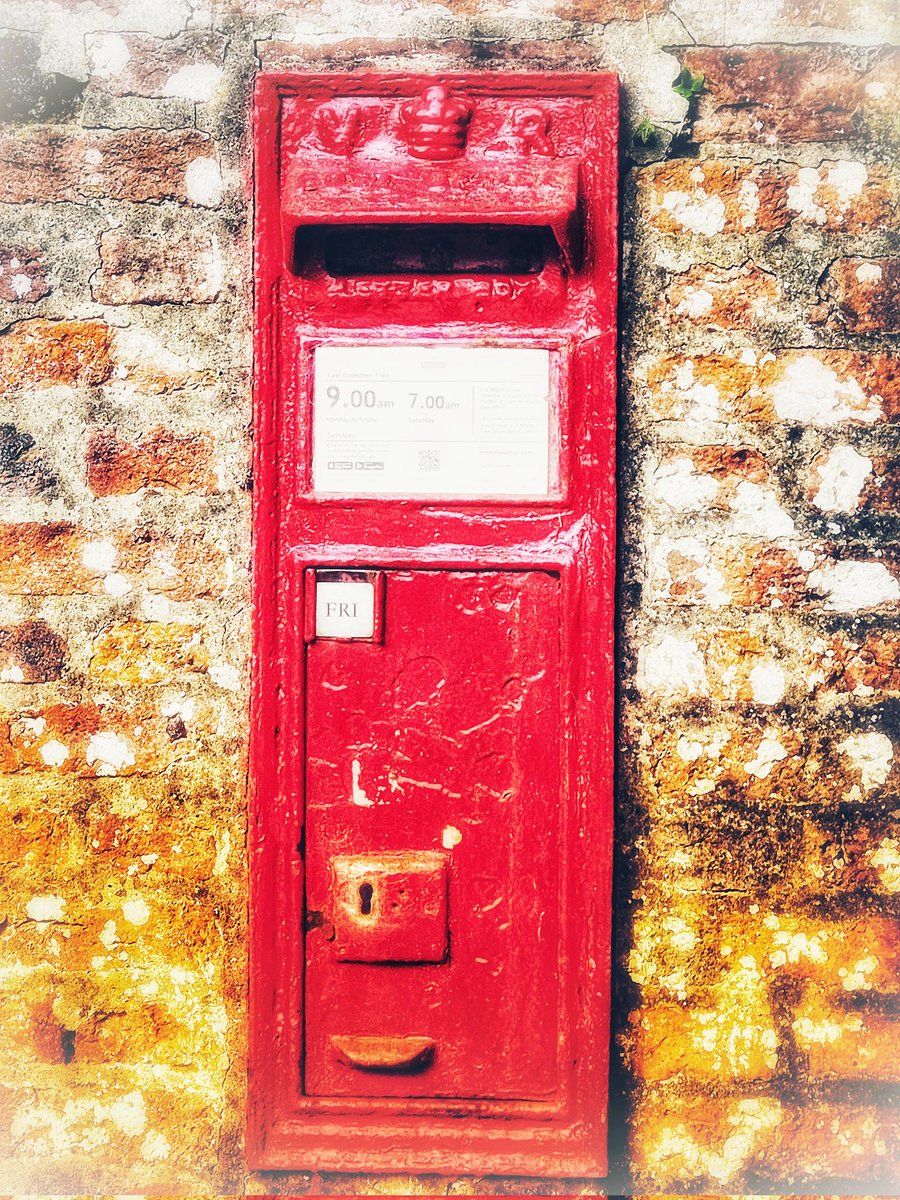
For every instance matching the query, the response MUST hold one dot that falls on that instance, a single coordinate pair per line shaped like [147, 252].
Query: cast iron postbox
[434, 576]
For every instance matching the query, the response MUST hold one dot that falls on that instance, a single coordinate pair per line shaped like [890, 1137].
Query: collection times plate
[448, 421]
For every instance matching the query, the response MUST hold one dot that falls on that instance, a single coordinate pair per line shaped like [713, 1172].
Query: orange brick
[714, 196]
[732, 1038]
[760, 760]
[23, 275]
[699, 478]
[86, 739]
[720, 196]
[182, 462]
[814, 387]
[848, 197]
[64, 560]
[65, 163]
[31, 652]
[602, 11]
[151, 61]
[752, 575]
[793, 93]
[741, 297]
[42, 353]
[717, 1141]
[147, 652]
[860, 294]
[154, 270]
[840, 1042]
[863, 666]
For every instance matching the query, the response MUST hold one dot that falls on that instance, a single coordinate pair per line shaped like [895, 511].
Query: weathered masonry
[754, 942]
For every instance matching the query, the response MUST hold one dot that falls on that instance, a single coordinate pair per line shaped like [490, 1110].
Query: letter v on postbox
[432, 738]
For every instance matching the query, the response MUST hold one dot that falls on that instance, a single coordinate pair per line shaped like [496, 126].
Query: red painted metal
[453, 775]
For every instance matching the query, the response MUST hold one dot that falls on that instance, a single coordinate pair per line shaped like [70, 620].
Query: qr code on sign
[429, 460]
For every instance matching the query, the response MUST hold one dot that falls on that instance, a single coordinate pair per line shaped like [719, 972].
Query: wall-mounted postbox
[435, 513]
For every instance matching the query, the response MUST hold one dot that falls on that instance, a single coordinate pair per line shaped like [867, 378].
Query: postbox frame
[296, 532]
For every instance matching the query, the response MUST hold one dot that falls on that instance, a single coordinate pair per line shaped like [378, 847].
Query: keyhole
[365, 898]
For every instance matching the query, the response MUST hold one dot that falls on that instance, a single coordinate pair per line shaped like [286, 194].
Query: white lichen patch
[672, 666]
[868, 274]
[748, 203]
[767, 683]
[841, 475]
[678, 485]
[758, 513]
[811, 393]
[698, 212]
[694, 303]
[682, 936]
[203, 182]
[792, 948]
[99, 557]
[872, 754]
[854, 586]
[769, 752]
[856, 977]
[155, 1147]
[226, 676]
[824, 1031]
[688, 749]
[196, 82]
[115, 584]
[108, 935]
[801, 196]
[136, 910]
[886, 861]
[110, 751]
[46, 908]
[108, 54]
[54, 753]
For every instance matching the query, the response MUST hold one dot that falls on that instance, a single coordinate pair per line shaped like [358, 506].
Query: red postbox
[431, 832]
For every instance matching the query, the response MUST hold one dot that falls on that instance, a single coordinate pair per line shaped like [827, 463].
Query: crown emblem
[435, 125]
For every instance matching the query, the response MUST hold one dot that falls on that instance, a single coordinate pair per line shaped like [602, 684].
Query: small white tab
[345, 608]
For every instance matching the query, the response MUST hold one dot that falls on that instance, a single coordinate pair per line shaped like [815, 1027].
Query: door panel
[433, 775]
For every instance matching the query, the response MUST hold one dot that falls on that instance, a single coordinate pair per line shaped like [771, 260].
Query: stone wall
[758, 861]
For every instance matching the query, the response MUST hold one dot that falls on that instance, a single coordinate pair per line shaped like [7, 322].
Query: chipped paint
[357, 794]
[450, 837]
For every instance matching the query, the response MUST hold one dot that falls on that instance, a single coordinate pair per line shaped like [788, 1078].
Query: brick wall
[758, 866]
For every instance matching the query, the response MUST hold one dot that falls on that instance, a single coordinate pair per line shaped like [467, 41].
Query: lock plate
[390, 907]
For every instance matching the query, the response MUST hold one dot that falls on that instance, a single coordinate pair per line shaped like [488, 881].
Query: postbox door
[433, 809]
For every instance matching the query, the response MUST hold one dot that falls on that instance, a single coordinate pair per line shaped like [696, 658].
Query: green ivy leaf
[646, 132]
[687, 84]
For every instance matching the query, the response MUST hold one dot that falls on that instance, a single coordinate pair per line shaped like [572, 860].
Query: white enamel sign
[345, 608]
[431, 421]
